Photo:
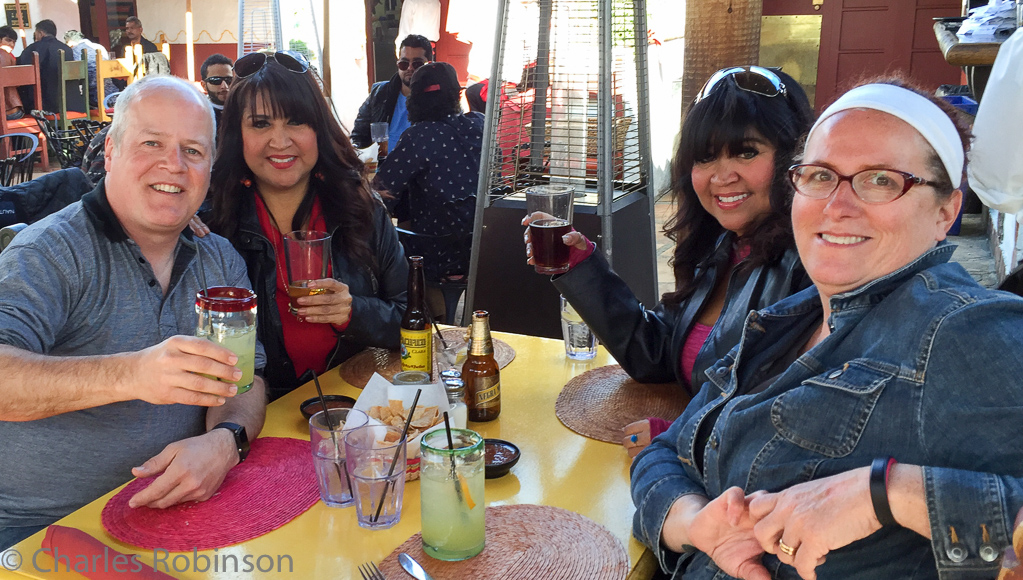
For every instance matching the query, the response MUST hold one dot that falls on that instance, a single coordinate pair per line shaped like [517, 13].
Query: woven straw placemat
[528, 541]
[275, 484]
[600, 403]
[357, 370]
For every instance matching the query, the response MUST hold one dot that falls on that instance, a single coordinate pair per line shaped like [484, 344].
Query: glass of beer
[306, 256]
[451, 492]
[554, 202]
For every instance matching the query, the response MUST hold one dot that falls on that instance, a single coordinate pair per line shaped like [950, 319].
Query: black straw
[451, 448]
[333, 437]
[397, 452]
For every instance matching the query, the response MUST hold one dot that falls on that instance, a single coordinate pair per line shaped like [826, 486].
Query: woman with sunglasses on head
[733, 242]
[866, 427]
[283, 164]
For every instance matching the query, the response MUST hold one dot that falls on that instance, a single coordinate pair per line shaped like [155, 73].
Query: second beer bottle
[480, 372]
[416, 330]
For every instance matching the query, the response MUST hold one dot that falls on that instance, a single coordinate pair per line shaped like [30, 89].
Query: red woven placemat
[601, 402]
[275, 484]
[528, 541]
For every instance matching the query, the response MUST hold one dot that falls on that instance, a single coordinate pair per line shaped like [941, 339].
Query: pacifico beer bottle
[416, 337]
[480, 372]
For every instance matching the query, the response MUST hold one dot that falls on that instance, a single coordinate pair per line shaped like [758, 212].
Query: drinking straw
[397, 452]
[440, 334]
[451, 447]
[333, 436]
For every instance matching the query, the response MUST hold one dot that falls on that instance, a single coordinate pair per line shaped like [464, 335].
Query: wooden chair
[17, 76]
[72, 70]
[109, 69]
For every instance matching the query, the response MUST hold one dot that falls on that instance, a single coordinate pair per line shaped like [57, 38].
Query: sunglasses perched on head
[404, 64]
[250, 64]
[753, 79]
[217, 81]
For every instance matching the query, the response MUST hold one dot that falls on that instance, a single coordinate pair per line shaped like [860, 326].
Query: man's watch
[241, 440]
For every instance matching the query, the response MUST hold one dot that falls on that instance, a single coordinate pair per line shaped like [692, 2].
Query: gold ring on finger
[787, 549]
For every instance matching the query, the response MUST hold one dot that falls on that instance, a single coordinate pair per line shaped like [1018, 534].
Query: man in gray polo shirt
[98, 363]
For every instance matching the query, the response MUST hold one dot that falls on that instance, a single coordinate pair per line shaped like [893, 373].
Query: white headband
[921, 114]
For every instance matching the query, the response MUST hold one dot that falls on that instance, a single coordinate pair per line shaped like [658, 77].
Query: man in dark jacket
[133, 30]
[48, 47]
[386, 101]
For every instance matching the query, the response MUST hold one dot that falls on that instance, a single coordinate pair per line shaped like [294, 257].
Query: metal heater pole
[605, 110]
[643, 93]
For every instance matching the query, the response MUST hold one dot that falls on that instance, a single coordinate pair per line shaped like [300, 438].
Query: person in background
[217, 73]
[133, 32]
[81, 45]
[866, 427]
[429, 178]
[283, 164]
[8, 38]
[386, 102]
[48, 47]
[101, 374]
[734, 251]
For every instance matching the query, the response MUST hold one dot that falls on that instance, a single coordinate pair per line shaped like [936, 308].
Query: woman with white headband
[866, 427]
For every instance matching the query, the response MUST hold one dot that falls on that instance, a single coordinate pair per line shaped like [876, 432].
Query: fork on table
[369, 571]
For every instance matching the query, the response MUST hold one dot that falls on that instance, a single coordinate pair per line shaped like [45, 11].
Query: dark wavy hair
[434, 93]
[718, 124]
[337, 177]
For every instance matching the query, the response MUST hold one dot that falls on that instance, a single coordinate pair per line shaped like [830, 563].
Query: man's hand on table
[188, 470]
[169, 373]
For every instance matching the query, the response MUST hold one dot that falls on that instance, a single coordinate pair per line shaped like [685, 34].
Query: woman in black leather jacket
[734, 250]
[283, 164]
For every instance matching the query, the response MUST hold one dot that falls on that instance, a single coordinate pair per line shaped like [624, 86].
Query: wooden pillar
[719, 33]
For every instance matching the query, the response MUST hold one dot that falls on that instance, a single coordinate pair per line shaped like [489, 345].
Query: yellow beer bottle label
[416, 350]
[488, 391]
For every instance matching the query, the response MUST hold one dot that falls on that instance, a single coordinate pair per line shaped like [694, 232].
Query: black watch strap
[241, 440]
[879, 470]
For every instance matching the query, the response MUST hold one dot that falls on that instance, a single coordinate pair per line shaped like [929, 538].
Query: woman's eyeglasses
[250, 64]
[403, 64]
[217, 81]
[753, 79]
[873, 186]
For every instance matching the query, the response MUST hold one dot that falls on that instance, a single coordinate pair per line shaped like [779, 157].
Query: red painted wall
[449, 49]
[179, 62]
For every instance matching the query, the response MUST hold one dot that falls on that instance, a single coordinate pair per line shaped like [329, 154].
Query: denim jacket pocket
[827, 413]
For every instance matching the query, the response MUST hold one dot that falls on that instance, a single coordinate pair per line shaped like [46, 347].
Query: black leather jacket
[377, 108]
[648, 343]
[378, 298]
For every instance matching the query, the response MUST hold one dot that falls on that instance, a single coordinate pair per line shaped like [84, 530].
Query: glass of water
[580, 343]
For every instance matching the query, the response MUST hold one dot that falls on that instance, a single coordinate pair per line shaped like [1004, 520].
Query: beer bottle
[480, 372]
[416, 330]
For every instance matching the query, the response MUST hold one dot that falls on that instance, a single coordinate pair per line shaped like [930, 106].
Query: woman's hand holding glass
[332, 307]
[572, 238]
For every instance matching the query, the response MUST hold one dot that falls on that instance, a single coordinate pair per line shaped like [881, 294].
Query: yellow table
[558, 468]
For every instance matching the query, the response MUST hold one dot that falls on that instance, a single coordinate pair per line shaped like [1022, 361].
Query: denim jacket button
[988, 553]
[713, 442]
[956, 552]
[835, 374]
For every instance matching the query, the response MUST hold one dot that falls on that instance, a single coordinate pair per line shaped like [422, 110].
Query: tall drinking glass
[306, 256]
[451, 494]
[580, 342]
[550, 254]
[328, 446]
[227, 316]
[376, 462]
[378, 132]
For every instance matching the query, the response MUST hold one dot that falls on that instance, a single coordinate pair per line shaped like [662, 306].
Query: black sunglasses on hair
[415, 64]
[218, 80]
[250, 64]
[753, 79]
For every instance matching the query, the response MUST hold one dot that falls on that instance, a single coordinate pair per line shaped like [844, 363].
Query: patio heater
[580, 117]
[259, 26]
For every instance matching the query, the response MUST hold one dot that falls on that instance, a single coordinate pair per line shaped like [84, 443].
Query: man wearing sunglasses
[217, 74]
[386, 101]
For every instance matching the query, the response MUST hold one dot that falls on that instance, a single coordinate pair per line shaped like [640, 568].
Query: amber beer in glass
[306, 257]
[554, 204]
[480, 372]
[416, 330]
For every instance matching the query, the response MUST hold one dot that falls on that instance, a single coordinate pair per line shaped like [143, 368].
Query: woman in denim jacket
[780, 467]
[734, 251]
